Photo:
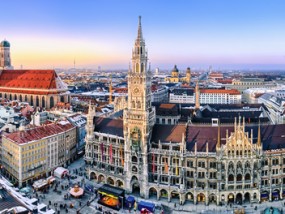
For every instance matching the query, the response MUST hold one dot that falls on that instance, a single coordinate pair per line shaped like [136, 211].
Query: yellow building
[176, 77]
[34, 153]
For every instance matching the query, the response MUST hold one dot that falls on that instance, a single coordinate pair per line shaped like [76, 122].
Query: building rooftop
[37, 133]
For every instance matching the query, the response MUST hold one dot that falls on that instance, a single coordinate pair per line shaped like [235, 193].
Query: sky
[195, 33]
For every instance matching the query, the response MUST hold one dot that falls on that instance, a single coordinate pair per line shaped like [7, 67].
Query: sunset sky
[225, 34]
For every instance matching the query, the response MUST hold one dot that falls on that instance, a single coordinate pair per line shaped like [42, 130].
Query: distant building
[5, 58]
[182, 95]
[33, 153]
[176, 77]
[159, 93]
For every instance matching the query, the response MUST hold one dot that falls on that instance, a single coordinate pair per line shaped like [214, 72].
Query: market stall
[110, 196]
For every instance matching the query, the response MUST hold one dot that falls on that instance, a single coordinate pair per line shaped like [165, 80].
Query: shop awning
[264, 195]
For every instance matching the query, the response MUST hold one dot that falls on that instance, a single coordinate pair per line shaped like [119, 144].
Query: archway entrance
[213, 198]
[152, 193]
[247, 197]
[175, 197]
[231, 198]
[135, 186]
[93, 176]
[164, 194]
[264, 196]
[201, 198]
[119, 184]
[101, 178]
[275, 195]
[239, 198]
[110, 181]
[189, 198]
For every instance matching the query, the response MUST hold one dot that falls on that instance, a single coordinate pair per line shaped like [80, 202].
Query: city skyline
[233, 35]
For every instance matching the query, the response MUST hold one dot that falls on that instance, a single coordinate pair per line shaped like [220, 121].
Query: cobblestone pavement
[54, 197]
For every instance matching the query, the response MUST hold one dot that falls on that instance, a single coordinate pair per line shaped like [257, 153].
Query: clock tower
[139, 118]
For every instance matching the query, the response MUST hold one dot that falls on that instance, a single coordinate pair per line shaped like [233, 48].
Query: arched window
[21, 98]
[51, 102]
[10, 96]
[26, 98]
[142, 68]
[43, 102]
[138, 104]
[133, 104]
[15, 97]
[37, 101]
[137, 67]
[32, 101]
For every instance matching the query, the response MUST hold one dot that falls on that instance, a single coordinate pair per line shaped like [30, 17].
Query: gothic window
[43, 102]
[15, 97]
[21, 98]
[51, 102]
[26, 98]
[239, 177]
[137, 67]
[32, 101]
[134, 159]
[134, 169]
[141, 50]
[231, 178]
[37, 101]
[247, 176]
[247, 165]
[138, 104]
[142, 68]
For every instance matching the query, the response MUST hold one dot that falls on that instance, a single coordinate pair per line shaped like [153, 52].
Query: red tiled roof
[109, 126]
[168, 133]
[220, 91]
[21, 137]
[29, 79]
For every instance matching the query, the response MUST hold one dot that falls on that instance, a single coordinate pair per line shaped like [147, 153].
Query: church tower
[139, 118]
[5, 60]
[90, 138]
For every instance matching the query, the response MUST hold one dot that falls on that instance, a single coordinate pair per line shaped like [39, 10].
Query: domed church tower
[5, 60]
[139, 118]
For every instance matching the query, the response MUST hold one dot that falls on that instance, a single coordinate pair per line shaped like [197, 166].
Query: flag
[165, 167]
[153, 167]
[121, 154]
[102, 151]
[111, 153]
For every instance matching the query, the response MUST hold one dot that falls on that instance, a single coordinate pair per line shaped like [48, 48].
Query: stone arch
[201, 198]
[101, 178]
[43, 102]
[175, 196]
[37, 101]
[152, 193]
[189, 197]
[231, 198]
[239, 177]
[93, 176]
[135, 185]
[212, 198]
[134, 169]
[51, 102]
[231, 178]
[163, 193]
[247, 197]
[119, 183]
[247, 177]
[21, 98]
[32, 100]
[134, 159]
[239, 198]
[110, 181]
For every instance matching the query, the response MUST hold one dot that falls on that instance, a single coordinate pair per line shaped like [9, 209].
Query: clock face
[136, 90]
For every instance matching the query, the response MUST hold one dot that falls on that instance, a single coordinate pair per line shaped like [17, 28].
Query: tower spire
[140, 36]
